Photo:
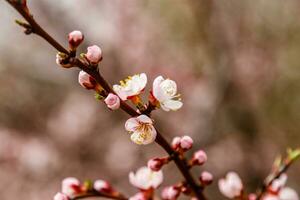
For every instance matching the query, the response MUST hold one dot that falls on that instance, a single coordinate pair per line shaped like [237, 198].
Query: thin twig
[180, 163]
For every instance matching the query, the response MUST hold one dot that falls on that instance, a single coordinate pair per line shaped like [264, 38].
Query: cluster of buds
[72, 187]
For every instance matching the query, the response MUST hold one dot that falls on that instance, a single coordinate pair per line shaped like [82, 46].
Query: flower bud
[199, 158]
[231, 186]
[86, 81]
[155, 164]
[206, 178]
[63, 60]
[75, 38]
[252, 196]
[102, 186]
[170, 193]
[176, 143]
[94, 54]
[112, 101]
[71, 186]
[186, 143]
[60, 196]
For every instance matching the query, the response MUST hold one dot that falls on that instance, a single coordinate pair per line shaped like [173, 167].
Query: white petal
[144, 119]
[120, 92]
[157, 178]
[171, 105]
[288, 194]
[157, 90]
[143, 80]
[131, 124]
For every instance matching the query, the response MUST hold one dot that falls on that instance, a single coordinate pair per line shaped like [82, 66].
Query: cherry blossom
[145, 178]
[165, 92]
[141, 129]
[131, 87]
[231, 186]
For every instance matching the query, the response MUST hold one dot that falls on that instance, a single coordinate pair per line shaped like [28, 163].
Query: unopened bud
[176, 143]
[60, 196]
[112, 101]
[75, 39]
[102, 186]
[199, 158]
[86, 81]
[206, 178]
[94, 54]
[186, 142]
[155, 164]
[170, 193]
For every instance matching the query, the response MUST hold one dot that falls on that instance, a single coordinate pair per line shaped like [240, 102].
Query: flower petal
[171, 105]
[144, 119]
[131, 124]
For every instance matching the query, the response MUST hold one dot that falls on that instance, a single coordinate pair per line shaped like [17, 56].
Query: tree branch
[180, 162]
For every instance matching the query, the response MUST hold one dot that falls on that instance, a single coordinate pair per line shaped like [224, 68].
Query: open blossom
[71, 186]
[86, 81]
[170, 193]
[231, 186]
[112, 101]
[94, 54]
[142, 129]
[288, 194]
[165, 92]
[60, 196]
[145, 178]
[75, 38]
[132, 86]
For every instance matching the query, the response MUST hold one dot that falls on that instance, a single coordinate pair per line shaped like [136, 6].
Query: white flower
[132, 86]
[279, 183]
[70, 186]
[142, 129]
[231, 186]
[145, 178]
[288, 194]
[165, 92]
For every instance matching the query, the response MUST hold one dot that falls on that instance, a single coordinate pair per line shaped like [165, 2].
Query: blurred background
[236, 64]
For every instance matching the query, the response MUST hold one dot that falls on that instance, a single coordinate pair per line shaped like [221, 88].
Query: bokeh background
[236, 62]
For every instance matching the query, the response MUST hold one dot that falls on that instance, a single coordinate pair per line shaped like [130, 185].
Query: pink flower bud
[186, 143]
[94, 54]
[199, 157]
[112, 101]
[60, 196]
[170, 193]
[252, 196]
[71, 186]
[86, 81]
[206, 178]
[155, 164]
[102, 186]
[138, 196]
[75, 38]
[176, 142]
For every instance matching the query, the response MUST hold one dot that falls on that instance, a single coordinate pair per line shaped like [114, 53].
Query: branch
[282, 169]
[38, 30]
